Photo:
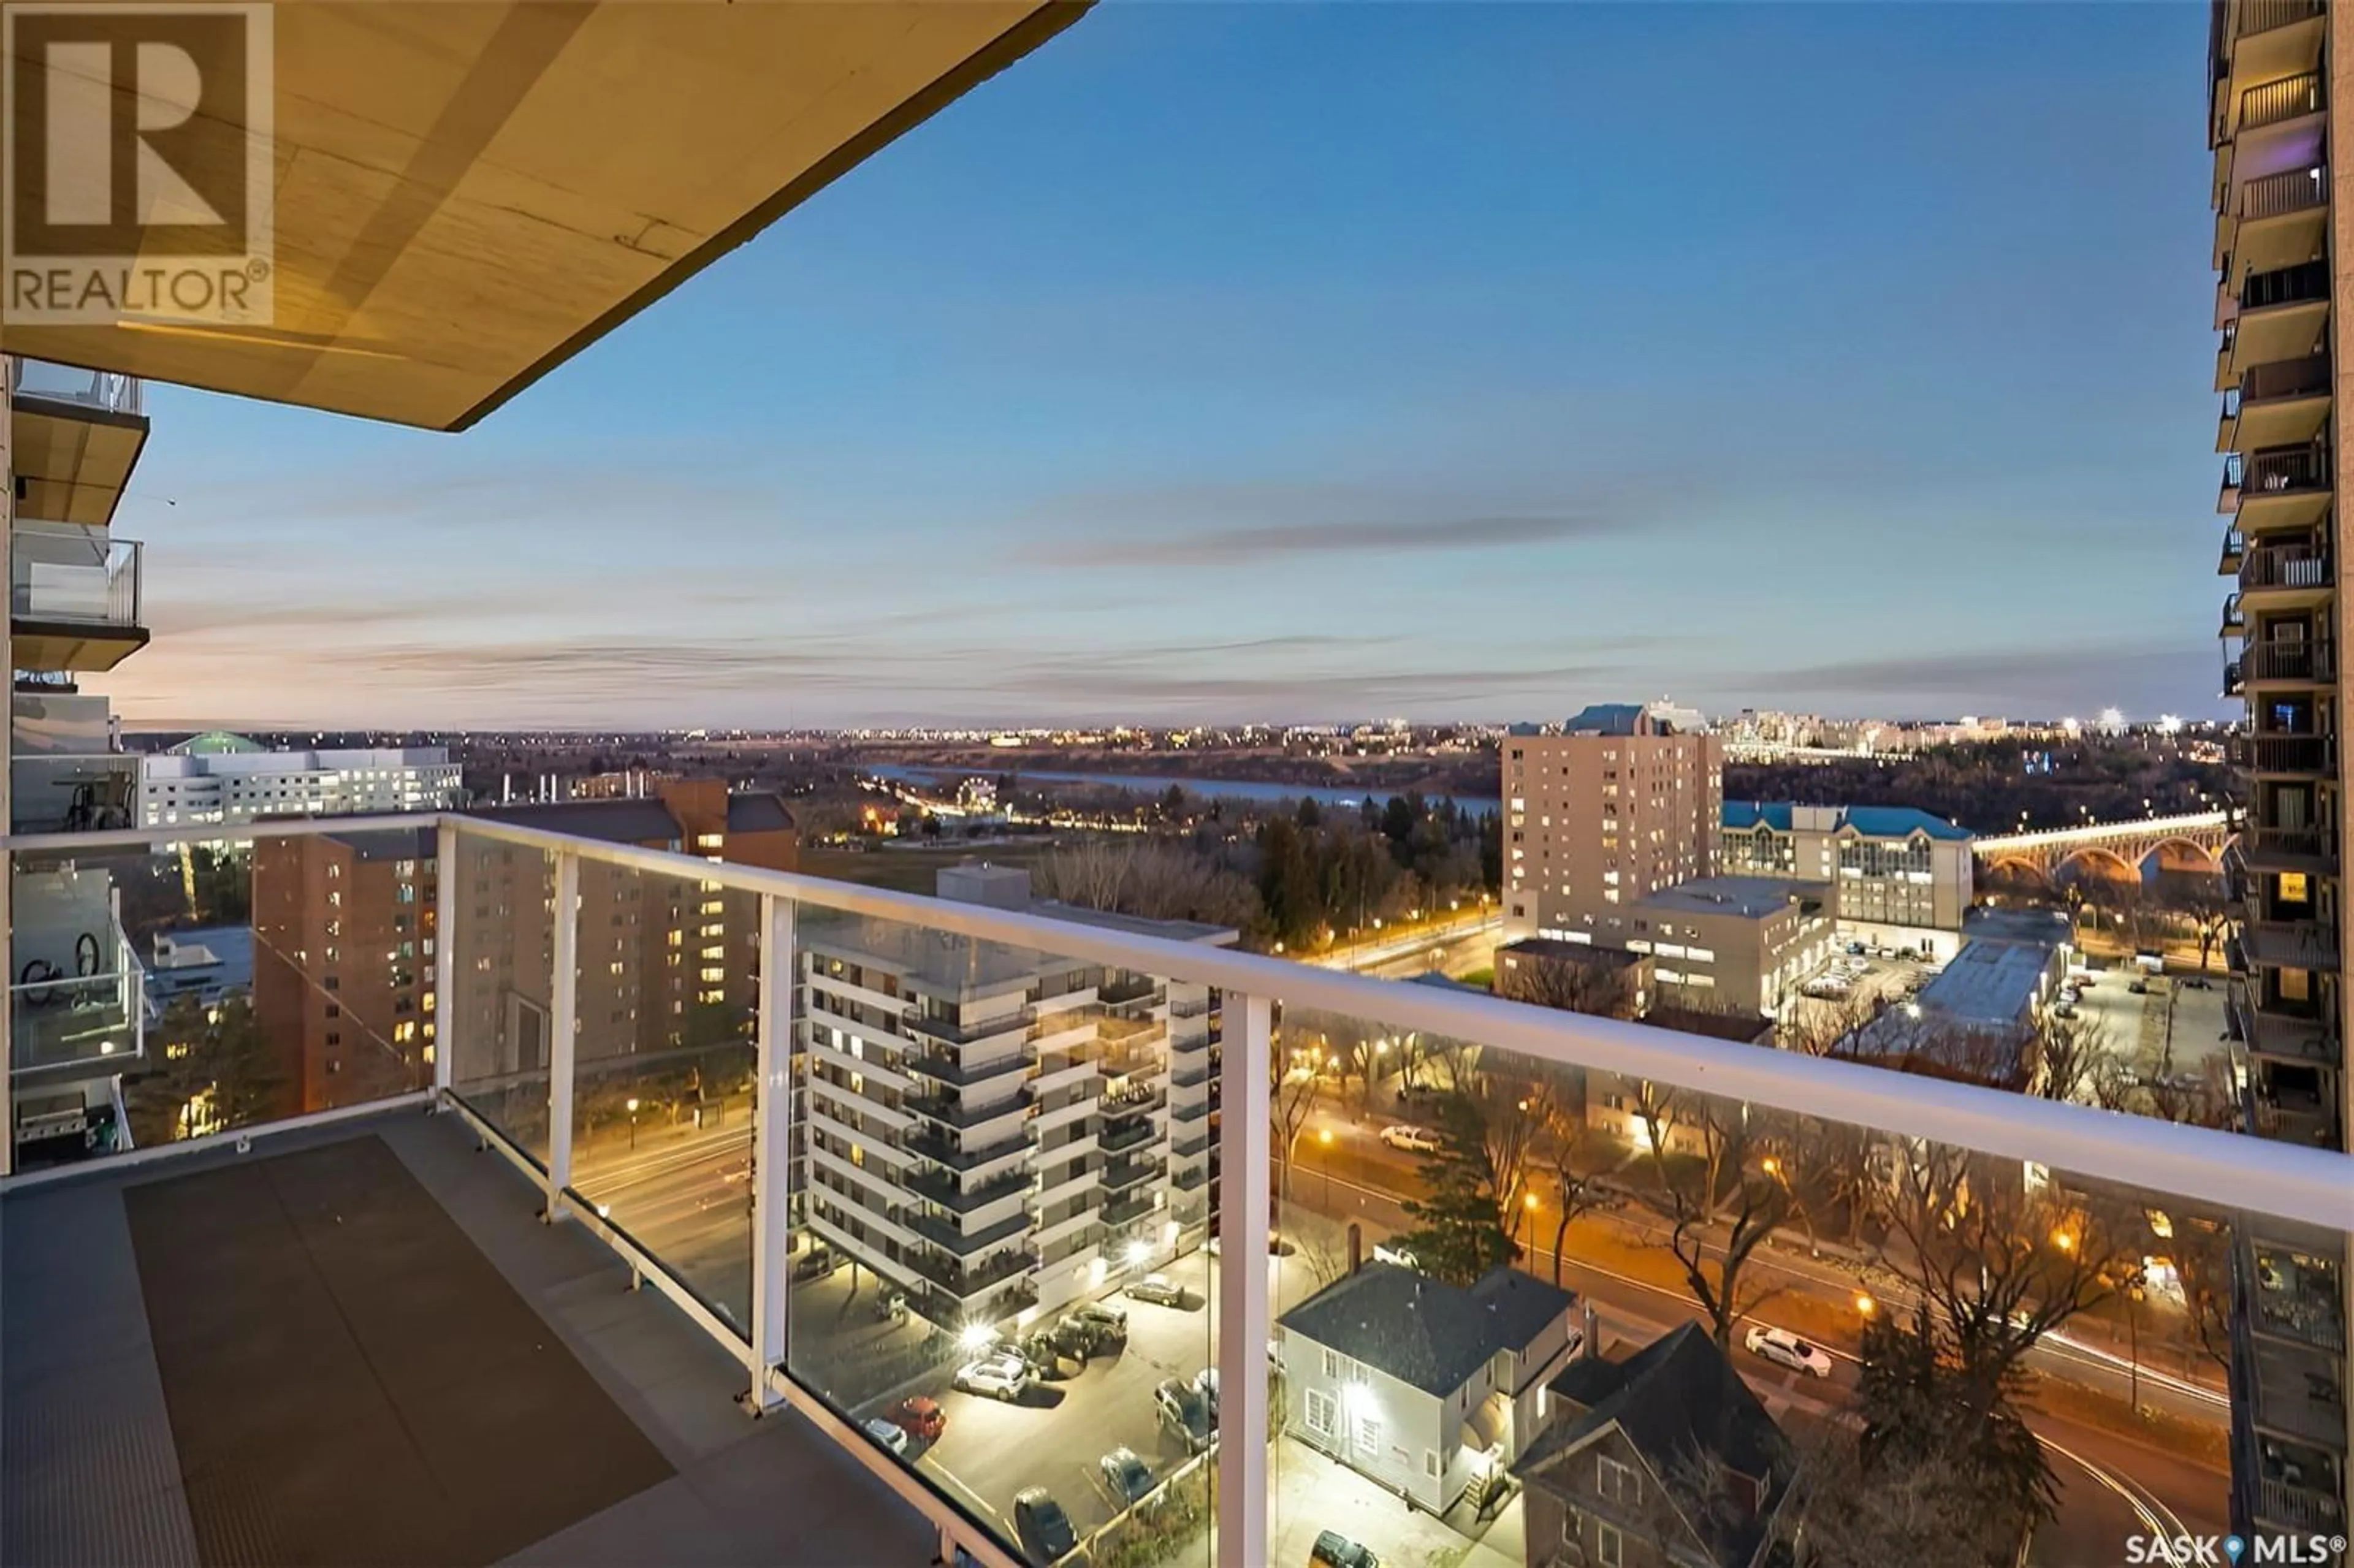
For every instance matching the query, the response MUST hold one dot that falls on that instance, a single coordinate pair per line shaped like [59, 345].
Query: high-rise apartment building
[223, 778]
[996, 1130]
[343, 964]
[1622, 802]
[2275, 69]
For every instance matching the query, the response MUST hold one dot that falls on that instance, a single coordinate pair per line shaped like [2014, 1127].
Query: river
[1208, 788]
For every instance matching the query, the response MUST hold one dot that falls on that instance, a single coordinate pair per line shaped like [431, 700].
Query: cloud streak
[1237, 546]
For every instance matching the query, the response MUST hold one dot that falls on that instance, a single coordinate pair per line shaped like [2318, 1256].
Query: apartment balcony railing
[1126, 990]
[2279, 471]
[1134, 1135]
[2282, 379]
[2253, 16]
[2289, 660]
[101, 389]
[2291, 190]
[2314, 755]
[1120, 1175]
[2299, 1507]
[2234, 553]
[74, 576]
[2281, 567]
[1192, 1008]
[2276, 1027]
[509, 1064]
[954, 1110]
[949, 1194]
[2291, 943]
[2308, 283]
[964, 1074]
[2275, 101]
[931, 1027]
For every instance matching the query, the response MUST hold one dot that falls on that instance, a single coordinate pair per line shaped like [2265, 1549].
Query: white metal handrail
[2226, 1169]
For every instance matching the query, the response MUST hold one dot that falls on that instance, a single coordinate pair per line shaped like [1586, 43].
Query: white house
[1423, 1387]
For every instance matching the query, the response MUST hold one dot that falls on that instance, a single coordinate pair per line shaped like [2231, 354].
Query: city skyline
[1266, 399]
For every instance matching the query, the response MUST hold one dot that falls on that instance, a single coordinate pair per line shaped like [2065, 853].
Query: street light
[633, 1121]
[1865, 1305]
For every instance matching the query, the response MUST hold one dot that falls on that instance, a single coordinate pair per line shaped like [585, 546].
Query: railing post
[564, 1029]
[773, 1124]
[445, 959]
[1245, 1163]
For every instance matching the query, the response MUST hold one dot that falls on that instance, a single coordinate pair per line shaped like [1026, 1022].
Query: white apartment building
[1898, 877]
[995, 1130]
[227, 779]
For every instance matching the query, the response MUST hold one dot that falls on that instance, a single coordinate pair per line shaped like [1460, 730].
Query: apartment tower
[2272, 81]
[1621, 801]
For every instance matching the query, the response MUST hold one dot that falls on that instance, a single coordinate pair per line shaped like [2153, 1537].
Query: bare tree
[1292, 1095]
[1711, 1186]
[1826, 1026]
[1159, 880]
[1590, 985]
[2002, 1261]
[2073, 1059]
[1570, 1153]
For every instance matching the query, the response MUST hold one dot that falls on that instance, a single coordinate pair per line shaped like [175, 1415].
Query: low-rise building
[1900, 878]
[1976, 1017]
[1665, 1459]
[219, 777]
[1733, 944]
[998, 1130]
[1425, 1388]
[1575, 976]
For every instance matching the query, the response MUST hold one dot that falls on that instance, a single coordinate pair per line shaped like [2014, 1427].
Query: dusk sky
[1304, 363]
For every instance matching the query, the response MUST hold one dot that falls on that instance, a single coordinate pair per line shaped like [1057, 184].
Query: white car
[1786, 1349]
[890, 1434]
[1413, 1139]
[1000, 1376]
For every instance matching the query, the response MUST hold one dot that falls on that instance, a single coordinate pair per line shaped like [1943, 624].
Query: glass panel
[663, 1097]
[1486, 1261]
[1004, 1159]
[162, 993]
[502, 903]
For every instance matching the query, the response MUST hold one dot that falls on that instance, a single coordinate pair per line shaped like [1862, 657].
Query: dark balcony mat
[349, 1379]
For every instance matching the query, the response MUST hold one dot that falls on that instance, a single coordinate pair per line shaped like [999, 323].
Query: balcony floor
[356, 1344]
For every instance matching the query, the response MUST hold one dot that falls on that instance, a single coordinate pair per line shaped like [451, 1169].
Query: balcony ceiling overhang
[467, 194]
[71, 462]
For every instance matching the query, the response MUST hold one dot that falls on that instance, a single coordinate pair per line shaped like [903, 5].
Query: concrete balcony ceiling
[468, 196]
[71, 461]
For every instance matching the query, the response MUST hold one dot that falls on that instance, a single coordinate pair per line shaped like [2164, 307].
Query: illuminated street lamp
[1865, 1305]
[633, 1121]
[2063, 1240]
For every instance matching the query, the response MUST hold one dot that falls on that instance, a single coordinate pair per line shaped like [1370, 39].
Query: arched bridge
[2129, 844]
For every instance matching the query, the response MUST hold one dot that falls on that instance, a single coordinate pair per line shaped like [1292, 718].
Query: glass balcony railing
[2057, 1322]
[100, 390]
[75, 576]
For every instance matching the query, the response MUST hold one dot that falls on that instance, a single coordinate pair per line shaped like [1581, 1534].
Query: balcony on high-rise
[74, 597]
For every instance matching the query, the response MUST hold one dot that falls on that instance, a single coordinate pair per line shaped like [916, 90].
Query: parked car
[891, 1306]
[1044, 1352]
[2197, 982]
[1333, 1549]
[1184, 1412]
[2139, 988]
[1001, 1375]
[1129, 1477]
[1786, 1349]
[1076, 1337]
[1413, 1139]
[890, 1434]
[1159, 1289]
[816, 1262]
[1045, 1528]
[1110, 1322]
[920, 1417]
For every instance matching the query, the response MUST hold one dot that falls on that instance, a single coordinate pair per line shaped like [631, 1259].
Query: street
[2114, 1484]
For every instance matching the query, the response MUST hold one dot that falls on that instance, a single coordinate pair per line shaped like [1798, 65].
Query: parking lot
[2138, 1027]
[1055, 1434]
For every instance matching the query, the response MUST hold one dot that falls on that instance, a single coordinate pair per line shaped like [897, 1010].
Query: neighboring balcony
[74, 597]
[2235, 550]
[2283, 314]
[2292, 1104]
[73, 794]
[2274, 576]
[2276, 488]
[2280, 102]
[2308, 848]
[2280, 219]
[2284, 403]
[2291, 943]
[2275, 1027]
[2288, 755]
[2297, 662]
[74, 436]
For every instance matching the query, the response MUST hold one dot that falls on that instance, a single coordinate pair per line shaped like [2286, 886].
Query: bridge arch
[2210, 860]
[2127, 870]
